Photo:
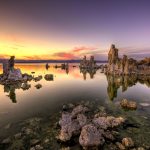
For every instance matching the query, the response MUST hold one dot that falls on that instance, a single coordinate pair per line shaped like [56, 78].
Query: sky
[70, 29]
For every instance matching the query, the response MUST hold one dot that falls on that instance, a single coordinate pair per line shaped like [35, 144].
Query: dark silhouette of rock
[49, 77]
[38, 86]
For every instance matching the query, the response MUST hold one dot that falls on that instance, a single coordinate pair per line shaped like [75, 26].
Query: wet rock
[39, 147]
[65, 107]
[26, 86]
[7, 126]
[127, 142]
[27, 131]
[65, 148]
[38, 86]
[90, 136]
[46, 141]
[100, 114]
[70, 105]
[6, 141]
[49, 77]
[34, 142]
[141, 148]
[128, 104]
[120, 146]
[108, 122]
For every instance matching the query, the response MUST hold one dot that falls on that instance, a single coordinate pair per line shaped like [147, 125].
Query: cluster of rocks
[88, 64]
[93, 131]
[11, 75]
[125, 65]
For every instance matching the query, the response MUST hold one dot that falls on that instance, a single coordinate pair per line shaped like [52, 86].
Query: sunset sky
[69, 29]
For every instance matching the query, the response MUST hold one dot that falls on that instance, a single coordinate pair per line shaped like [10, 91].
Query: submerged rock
[128, 104]
[34, 142]
[120, 146]
[127, 142]
[90, 137]
[6, 141]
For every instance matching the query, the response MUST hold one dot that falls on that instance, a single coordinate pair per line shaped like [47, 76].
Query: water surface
[71, 86]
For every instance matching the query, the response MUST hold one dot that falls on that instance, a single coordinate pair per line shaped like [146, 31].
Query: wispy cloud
[64, 55]
[83, 48]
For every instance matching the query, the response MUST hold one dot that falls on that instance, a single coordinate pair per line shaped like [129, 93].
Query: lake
[74, 86]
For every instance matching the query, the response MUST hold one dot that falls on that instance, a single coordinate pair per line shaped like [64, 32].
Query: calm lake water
[70, 87]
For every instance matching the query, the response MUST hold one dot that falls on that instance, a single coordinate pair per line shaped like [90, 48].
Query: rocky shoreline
[77, 126]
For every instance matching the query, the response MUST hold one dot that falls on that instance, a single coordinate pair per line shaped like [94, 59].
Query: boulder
[128, 104]
[127, 142]
[69, 127]
[90, 137]
[49, 77]
[38, 86]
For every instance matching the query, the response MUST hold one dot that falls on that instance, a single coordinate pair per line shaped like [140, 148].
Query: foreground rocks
[78, 126]
[92, 131]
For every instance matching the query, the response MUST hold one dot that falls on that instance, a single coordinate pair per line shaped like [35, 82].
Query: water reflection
[10, 89]
[75, 74]
[91, 72]
[115, 82]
